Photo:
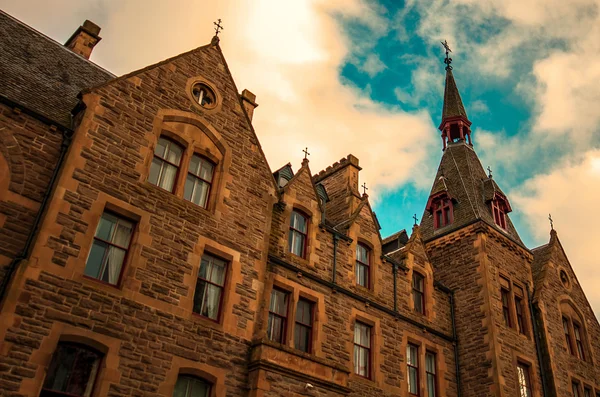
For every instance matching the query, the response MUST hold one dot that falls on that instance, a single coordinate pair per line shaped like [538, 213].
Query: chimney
[84, 39]
[249, 101]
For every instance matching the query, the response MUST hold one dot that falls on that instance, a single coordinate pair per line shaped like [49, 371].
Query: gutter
[67, 136]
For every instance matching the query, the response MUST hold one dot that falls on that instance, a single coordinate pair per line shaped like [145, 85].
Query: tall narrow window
[412, 367]
[209, 287]
[165, 164]
[442, 213]
[587, 392]
[72, 371]
[303, 328]
[575, 389]
[298, 230]
[506, 306]
[499, 213]
[362, 265]
[198, 181]
[430, 370]
[418, 292]
[109, 250]
[524, 380]
[190, 386]
[362, 349]
[565, 322]
[278, 309]
[519, 312]
[578, 341]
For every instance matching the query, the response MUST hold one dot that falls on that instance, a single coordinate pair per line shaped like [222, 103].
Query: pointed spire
[455, 125]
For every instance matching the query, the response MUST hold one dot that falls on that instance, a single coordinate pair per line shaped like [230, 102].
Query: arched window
[298, 232]
[191, 386]
[199, 180]
[165, 164]
[573, 330]
[72, 371]
[418, 292]
[363, 262]
[442, 212]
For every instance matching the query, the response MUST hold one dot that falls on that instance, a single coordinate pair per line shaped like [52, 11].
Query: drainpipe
[394, 269]
[67, 136]
[335, 243]
[537, 342]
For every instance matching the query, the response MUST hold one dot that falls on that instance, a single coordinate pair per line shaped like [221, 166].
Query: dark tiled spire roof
[453, 106]
[466, 182]
[41, 74]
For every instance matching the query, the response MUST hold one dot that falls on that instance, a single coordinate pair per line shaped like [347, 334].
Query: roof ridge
[50, 39]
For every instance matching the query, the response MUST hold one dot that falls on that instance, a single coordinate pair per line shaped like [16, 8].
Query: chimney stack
[249, 101]
[84, 39]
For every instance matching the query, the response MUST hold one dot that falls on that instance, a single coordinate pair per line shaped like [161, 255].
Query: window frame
[197, 177]
[189, 376]
[415, 291]
[567, 333]
[415, 367]
[178, 167]
[579, 345]
[369, 363]
[499, 212]
[294, 230]
[284, 318]
[505, 293]
[309, 327]
[439, 207]
[134, 225]
[526, 370]
[360, 264]
[227, 265]
[54, 393]
[575, 388]
[429, 374]
[520, 315]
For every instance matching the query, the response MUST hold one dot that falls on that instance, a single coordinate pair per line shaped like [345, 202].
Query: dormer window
[442, 212]
[499, 211]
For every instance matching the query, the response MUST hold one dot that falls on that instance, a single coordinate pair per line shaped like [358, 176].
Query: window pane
[188, 189]
[430, 385]
[362, 334]
[412, 355]
[298, 222]
[201, 193]
[114, 262]
[188, 386]
[161, 147]
[362, 254]
[210, 306]
[301, 338]
[199, 296]
[95, 259]
[195, 164]
[296, 243]
[155, 168]
[430, 363]
[275, 328]
[206, 171]
[304, 312]
[278, 302]
[83, 373]
[122, 234]
[72, 370]
[167, 179]
[173, 154]
[217, 274]
[106, 226]
[412, 380]
[362, 275]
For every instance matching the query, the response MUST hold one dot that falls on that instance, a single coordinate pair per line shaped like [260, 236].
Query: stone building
[147, 249]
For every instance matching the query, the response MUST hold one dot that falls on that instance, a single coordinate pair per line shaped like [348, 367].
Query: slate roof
[41, 74]
[453, 106]
[464, 178]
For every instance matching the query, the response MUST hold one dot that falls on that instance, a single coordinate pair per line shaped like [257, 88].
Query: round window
[564, 278]
[204, 96]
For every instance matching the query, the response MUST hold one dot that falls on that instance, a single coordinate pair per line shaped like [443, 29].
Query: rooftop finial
[448, 60]
[415, 218]
[306, 154]
[365, 188]
[218, 27]
[489, 172]
[551, 221]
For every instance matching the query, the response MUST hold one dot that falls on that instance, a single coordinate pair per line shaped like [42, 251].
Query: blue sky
[366, 77]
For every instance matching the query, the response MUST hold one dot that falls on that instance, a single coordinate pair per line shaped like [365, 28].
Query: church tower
[476, 251]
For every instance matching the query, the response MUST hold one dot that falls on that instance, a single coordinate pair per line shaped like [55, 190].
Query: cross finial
[306, 154]
[218, 27]
[448, 60]
[490, 172]
[551, 221]
[415, 218]
[365, 188]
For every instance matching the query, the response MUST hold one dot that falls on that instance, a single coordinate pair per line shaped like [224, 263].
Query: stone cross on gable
[365, 188]
[218, 27]
[489, 172]
[551, 221]
[415, 218]
[306, 154]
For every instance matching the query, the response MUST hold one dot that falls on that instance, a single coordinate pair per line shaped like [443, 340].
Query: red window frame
[294, 230]
[567, 332]
[221, 287]
[418, 294]
[578, 341]
[178, 167]
[110, 244]
[524, 379]
[360, 264]
[46, 392]
[499, 211]
[431, 375]
[443, 212]
[283, 317]
[364, 347]
[203, 159]
[307, 326]
[415, 367]
[505, 297]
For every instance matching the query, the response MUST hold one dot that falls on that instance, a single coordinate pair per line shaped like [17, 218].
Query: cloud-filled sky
[366, 77]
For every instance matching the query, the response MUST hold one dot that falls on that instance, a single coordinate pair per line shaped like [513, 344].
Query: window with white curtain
[362, 349]
[191, 386]
[198, 181]
[111, 243]
[209, 287]
[165, 164]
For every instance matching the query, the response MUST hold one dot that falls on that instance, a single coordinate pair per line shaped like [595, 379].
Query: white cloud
[373, 65]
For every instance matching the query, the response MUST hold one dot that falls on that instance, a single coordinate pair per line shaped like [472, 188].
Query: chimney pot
[249, 101]
[84, 39]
